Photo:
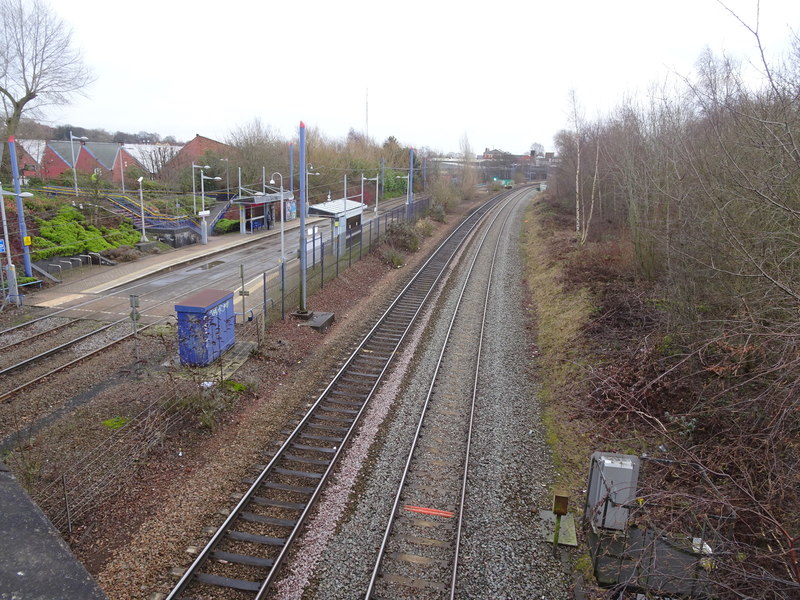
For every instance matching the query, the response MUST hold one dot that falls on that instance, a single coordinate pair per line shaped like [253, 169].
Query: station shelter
[258, 211]
[345, 216]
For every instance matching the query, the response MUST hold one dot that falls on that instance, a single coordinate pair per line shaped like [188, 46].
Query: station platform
[35, 563]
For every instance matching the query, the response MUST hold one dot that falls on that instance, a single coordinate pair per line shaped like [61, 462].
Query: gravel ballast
[502, 554]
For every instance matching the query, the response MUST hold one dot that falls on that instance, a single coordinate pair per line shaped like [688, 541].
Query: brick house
[193, 152]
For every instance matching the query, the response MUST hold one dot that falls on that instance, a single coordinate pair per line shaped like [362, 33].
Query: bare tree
[156, 156]
[468, 175]
[38, 63]
[259, 147]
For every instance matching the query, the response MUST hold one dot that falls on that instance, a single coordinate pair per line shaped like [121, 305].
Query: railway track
[418, 555]
[246, 552]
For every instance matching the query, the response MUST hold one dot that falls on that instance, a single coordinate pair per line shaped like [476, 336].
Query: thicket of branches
[704, 180]
[330, 160]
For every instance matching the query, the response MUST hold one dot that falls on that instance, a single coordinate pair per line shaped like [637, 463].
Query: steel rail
[424, 411]
[38, 334]
[8, 394]
[55, 349]
[378, 346]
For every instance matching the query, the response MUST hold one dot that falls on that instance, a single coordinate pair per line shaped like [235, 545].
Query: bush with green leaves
[68, 234]
[226, 225]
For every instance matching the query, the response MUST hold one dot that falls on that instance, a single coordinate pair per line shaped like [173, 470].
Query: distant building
[193, 151]
[49, 160]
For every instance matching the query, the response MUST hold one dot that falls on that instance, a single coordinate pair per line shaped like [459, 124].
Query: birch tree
[39, 65]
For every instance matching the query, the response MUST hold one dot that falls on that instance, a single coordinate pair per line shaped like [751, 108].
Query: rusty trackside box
[205, 326]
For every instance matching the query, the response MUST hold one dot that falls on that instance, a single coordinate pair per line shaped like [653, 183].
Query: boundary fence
[72, 495]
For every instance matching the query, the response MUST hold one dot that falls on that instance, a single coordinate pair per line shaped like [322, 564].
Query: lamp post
[11, 273]
[72, 138]
[122, 165]
[227, 175]
[283, 212]
[194, 192]
[309, 171]
[204, 213]
[376, 180]
[203, 178]
[141, 203]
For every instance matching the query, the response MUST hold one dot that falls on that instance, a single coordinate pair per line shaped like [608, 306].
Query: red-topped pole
[303, 200]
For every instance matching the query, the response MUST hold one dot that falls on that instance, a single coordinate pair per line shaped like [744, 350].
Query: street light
[283, 212]
[72, 138]
[194, 192]
[204, 213]
[141, 202]
[375, 179]
[203, 178]
[11, 272]
[309, 171]
[227, 175]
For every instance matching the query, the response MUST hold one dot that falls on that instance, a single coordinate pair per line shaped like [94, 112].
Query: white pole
[10, 271]
[194, 192]
[74, 170]
[202, 191]
[283, 214]
[141, 203]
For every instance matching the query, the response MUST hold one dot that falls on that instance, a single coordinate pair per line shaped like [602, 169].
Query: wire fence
[74, 494]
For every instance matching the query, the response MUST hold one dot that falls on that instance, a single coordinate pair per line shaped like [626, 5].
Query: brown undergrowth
[622, 371]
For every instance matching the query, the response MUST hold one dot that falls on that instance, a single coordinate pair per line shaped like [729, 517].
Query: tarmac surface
[35, 562]
[98, 279]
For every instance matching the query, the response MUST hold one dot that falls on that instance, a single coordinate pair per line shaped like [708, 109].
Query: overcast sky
[499, 72]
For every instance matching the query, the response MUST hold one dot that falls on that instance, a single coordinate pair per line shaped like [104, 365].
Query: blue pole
[23, 231]
[383, 175]
[303, 193]
[410, 184]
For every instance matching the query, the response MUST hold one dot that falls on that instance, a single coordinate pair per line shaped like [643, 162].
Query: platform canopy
[247, 198]
[337, 208]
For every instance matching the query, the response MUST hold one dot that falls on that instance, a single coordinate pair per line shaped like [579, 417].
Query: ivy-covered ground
[69, 233]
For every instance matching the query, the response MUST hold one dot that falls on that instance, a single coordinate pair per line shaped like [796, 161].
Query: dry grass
[561, 316]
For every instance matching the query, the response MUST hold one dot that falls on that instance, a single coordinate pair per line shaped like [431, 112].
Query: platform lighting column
[141, 204]
[194, 187]
[122, 173]
[11, 272]
[203, 178]
[283, 211]
[72, 139]
[227, 175]
[376, 179]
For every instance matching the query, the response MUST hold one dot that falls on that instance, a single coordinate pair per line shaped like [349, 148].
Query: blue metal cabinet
[205, 326]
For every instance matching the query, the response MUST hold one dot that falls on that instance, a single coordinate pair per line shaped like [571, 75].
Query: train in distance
[506, 183]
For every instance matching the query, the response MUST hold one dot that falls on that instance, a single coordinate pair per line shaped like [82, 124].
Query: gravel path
[502, 555]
